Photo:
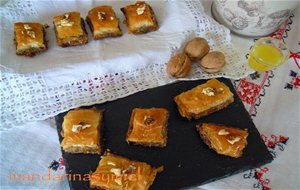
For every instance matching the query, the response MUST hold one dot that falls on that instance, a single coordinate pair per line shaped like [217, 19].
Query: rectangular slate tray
[187, 161]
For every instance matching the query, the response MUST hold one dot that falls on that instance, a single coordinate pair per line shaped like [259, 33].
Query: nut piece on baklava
[70, 29]
[81, 131]
[204, 99]
[148, 127]
[118, 173]
[103, 22]
[224, 140]
[30, 38]
[140, 18]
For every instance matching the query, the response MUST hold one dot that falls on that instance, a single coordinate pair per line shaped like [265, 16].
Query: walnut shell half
[196, 48]
[179, 65]
[212, 62]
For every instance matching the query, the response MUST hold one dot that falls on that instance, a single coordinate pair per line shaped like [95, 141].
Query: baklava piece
[140, 18]
[224, 140]
[30, 38]
[122, 174]
[81, 131]
[148, 127]
[204, 99]
[70, 29]
[103, 22]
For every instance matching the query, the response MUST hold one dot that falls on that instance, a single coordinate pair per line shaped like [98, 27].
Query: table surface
[271, 98]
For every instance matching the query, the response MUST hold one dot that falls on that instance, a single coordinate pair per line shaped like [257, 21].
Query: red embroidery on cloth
[296, 57]
[57, 164]
[274, 140]
[294, 82]
[248, 91]
[280, 32]
[61, 163]
[259, 174]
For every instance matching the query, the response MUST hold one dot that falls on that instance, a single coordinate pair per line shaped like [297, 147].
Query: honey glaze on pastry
[82, 131]
[224, 140]
[30, 38]
[140, 18]
[118, 173]
[70, 29]
[148, 127]
[204, 99]
[103, 22]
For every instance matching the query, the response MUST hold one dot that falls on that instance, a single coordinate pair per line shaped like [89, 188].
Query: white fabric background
[52, 82]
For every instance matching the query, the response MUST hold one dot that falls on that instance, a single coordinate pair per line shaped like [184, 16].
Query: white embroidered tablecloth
[272, 99]
[63, 78]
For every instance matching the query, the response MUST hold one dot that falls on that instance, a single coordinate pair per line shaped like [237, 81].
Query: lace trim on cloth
[28, 97]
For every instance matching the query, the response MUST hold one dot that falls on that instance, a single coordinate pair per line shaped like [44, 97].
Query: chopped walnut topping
[208, 91]
[141, 8]
[234, 140]
[116, 171]
[130, 169]
[27, 27]
[66, 16]
[101, 15]
[220, 90]
[223, 132]
[148, 120]
[65, 22]
[31, 33]
[118, 181]
[81, 126]
[111, 163]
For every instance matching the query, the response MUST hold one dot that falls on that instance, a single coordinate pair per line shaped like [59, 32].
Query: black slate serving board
[187, 160]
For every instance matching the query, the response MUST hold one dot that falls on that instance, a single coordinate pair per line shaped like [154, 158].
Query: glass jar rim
[284, 57]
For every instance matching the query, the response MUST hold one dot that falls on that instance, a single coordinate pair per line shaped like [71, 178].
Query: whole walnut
[212, 62]
[179, 65]
[196, 48]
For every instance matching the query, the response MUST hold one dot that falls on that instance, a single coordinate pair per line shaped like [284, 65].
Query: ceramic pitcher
[253, 18]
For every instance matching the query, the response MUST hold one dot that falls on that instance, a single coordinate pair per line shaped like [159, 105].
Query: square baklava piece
[123, 174]
[81, 131]
[224, 140]
[103, 22]
[30, 38]
[140, 18]
[148, 127]
[70, 29]
[204, 99]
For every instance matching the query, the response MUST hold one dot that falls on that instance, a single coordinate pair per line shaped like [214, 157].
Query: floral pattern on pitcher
[254, 18]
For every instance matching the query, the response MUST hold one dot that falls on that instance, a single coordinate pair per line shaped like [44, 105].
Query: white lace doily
[64, 78]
